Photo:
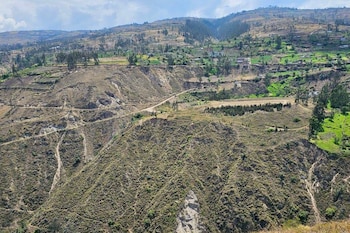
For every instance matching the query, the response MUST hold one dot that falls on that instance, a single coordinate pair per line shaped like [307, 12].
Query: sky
[18, 15]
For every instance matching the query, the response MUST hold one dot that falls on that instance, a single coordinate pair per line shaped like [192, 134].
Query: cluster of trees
[337, 96]
[132, 59]
[302, 95]
[21, 62]
[232, 29]
[241, 110]
[200, 30]
[223, 66]
[196, 30]
[73, 58]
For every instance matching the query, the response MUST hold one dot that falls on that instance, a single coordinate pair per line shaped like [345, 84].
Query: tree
[71, 62]
[95, 57]
[323, 97]
[165, 32]
[38, 61]
[14, 70]
[315, 126]
[43, 59]
[132, 59]
[339, 97]
[61, 57]
[170, 60]
[225, 65]
[278, 43]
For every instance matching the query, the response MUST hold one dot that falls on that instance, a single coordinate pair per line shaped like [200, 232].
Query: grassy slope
[240, 181]
[27, 159]
[329, 227]
[26, 188]
[334, 130]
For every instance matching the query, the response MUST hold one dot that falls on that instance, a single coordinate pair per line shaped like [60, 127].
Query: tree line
[73, 58]
[241, 110]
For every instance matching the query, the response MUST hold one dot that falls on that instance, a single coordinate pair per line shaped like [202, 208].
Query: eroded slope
[140, 183]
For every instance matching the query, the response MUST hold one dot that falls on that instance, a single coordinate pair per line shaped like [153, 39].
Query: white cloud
[229, 6]
[97, 14]
[71, 14]
[200, 12]
[10, 24]
[311, 4]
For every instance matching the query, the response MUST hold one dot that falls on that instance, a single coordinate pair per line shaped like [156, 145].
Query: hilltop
[261, 22]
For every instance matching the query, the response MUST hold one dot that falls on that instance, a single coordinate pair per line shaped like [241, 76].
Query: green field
[336, 133]
[281, 88]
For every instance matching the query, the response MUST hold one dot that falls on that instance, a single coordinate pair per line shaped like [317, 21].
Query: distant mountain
[21, 37]
[270, 19]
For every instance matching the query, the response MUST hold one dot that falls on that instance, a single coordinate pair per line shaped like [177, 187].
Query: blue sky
[97, 14]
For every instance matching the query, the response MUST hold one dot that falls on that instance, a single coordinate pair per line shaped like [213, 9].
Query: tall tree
[71, 62]
[339, 97]
[95, 57]
[278, 42]
[43, 59]
[132, 59]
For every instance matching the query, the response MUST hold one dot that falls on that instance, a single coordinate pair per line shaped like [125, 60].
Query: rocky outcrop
[188, 218]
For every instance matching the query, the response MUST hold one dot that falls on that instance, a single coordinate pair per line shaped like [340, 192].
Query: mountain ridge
[46, 35]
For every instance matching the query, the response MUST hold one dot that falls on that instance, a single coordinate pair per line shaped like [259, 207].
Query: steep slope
[140, 183]
[51, 131]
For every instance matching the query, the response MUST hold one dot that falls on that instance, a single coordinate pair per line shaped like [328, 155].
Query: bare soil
[3, 110]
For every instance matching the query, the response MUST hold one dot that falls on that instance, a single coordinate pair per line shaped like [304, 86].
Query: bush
[330, 212]
[296, 120]
[147, 222]
[303, 216]
[151, 214]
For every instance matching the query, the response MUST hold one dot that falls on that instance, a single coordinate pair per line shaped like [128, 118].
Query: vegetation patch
[336, 134]
[241, 110]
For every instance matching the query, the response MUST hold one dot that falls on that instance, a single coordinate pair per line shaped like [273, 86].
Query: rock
[188, 218]
[105, 101]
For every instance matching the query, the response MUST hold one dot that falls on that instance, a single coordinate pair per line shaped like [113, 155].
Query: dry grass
[330, 227]
[3, 110]
[114, 60]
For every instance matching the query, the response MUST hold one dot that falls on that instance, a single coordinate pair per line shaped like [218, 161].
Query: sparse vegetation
[109, 130]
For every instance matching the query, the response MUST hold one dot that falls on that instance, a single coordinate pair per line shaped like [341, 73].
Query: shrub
[296, 120]
[151, 214]
[303, 216]
[330, 212]
[147, 222]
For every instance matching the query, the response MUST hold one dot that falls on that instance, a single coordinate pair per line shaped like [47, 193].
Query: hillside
[139, 183]
[86, 109]
[238, 124]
